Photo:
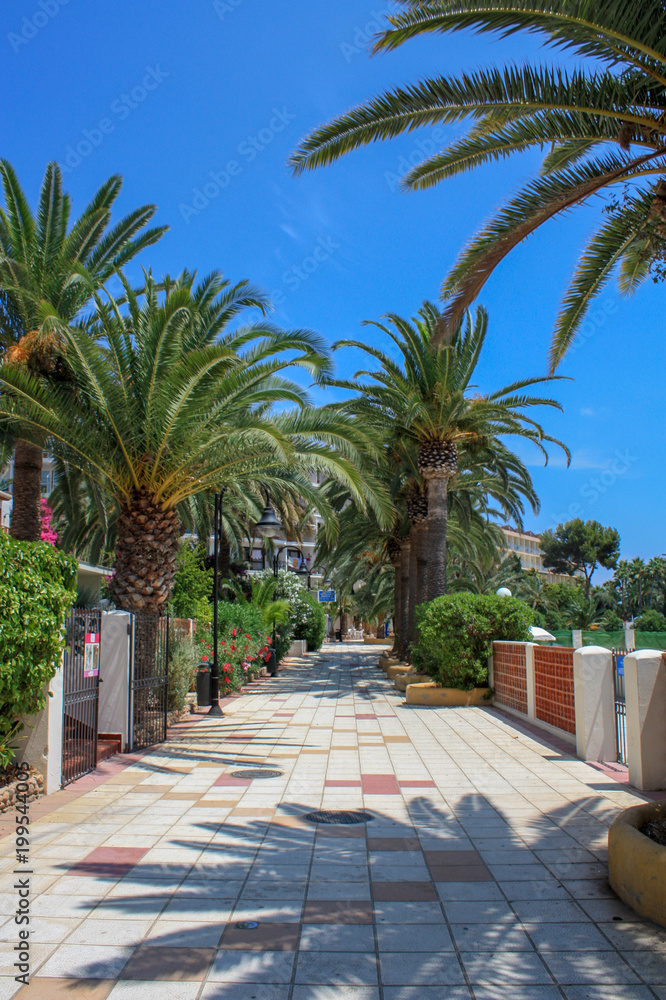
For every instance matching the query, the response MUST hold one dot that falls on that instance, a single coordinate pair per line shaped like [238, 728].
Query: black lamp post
[215, 709]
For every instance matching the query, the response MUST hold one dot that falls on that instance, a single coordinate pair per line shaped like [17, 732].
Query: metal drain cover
[338, 816]
[255, 773]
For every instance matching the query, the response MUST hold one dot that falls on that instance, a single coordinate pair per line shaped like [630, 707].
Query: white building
[526, 545]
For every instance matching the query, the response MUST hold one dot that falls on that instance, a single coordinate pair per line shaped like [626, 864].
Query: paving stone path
[482, 874]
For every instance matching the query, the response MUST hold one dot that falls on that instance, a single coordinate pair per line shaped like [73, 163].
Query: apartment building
[526, 545]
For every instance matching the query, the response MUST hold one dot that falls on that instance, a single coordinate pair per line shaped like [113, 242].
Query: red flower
[204, 657]
[247, 636]
[233, 632]
[246, 647]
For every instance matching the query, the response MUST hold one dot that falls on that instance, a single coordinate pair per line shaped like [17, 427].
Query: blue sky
[198, 105]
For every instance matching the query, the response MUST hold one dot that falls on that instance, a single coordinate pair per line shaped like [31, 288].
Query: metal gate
[620, 704]
[149, 679]
[80, 694]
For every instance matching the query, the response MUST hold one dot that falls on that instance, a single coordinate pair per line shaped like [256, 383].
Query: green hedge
[612, 640]
[37, 591]
[456, 632]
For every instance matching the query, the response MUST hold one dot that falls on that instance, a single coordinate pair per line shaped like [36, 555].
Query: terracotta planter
[637, 864]
[430, 693]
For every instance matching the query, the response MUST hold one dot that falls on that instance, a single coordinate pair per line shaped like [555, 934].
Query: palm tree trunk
[422, 565]
[397, 605]
[146, 554]
[26, 519]
[405, 564]
[413, 583]
[437, 522]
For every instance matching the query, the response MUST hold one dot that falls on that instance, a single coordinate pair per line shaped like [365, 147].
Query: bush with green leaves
[183, 660]
[456, 633]
[192, 585]
[37, 591]
[308, 618]
[651, 621]
[243, 644]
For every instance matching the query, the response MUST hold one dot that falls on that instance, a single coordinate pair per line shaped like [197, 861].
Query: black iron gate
[620, 704]
[149, 679]
[80, 693]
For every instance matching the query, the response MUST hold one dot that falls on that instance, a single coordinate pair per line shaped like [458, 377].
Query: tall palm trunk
[397, 602]
[437, 523]
[146, 554]
[413, 583]
[26, 520]
[405, 565]
[422, 564]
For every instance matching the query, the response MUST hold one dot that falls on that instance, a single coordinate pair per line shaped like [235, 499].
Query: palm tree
[602, 123]
[48, 273]
[169, 404]
[429, 402]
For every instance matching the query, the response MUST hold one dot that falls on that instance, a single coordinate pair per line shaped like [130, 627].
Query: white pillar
[40, 742]
[594, 700]
[645, 692]
[529, 680]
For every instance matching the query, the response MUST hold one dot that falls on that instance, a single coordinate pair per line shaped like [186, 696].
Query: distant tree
[580, 546]
[651, 621]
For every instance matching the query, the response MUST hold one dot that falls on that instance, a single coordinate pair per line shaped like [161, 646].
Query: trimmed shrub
[456, 632]
[308, 618]
[651, 621]
[37, 591]
[183, 660]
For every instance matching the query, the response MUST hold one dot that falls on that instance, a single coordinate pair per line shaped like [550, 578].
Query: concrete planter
[397, 670]
[299, 647]
[402, 681]
[637, 864]
[432, 694]
[371, 641]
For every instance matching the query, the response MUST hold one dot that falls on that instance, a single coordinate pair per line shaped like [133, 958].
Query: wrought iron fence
[149, 679]
[620, 703]
[80, 693]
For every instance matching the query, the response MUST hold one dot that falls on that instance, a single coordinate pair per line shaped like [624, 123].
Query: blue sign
[325, 596]
[620, 666]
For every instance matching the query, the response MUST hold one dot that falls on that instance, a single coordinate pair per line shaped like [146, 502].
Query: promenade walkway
[482, 874]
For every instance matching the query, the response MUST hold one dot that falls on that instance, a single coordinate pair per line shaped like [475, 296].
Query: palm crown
[428, 402]
[168, 404]
[605, 124]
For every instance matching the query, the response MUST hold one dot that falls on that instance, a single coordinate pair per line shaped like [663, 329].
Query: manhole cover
[256, 774]
[338, 816]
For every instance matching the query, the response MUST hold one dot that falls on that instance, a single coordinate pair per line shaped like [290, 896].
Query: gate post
[594, 701]
[114, 691]
[40, 742]
[645, 693]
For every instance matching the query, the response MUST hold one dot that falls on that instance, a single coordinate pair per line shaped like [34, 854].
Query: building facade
[526, 545]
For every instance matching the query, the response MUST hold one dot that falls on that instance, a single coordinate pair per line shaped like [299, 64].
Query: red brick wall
[554, 687]
[509, 675]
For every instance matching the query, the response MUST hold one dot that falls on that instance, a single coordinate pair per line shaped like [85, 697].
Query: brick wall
[554, 687]
[509, 675]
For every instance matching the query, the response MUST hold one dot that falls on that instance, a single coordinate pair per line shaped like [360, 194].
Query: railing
[620, 703]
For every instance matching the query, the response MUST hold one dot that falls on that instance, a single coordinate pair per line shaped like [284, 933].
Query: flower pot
[637, 864]
[430, 693]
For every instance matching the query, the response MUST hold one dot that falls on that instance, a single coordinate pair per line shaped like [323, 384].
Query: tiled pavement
[482, 874]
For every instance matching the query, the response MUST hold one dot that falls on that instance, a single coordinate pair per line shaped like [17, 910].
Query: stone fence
[571, 693]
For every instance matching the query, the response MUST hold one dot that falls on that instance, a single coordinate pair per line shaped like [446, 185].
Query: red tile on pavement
[108, 861]
[243, 737]
[380, 784]
[417, 784]
[226, 780]
[342, 784]
[368, 716]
